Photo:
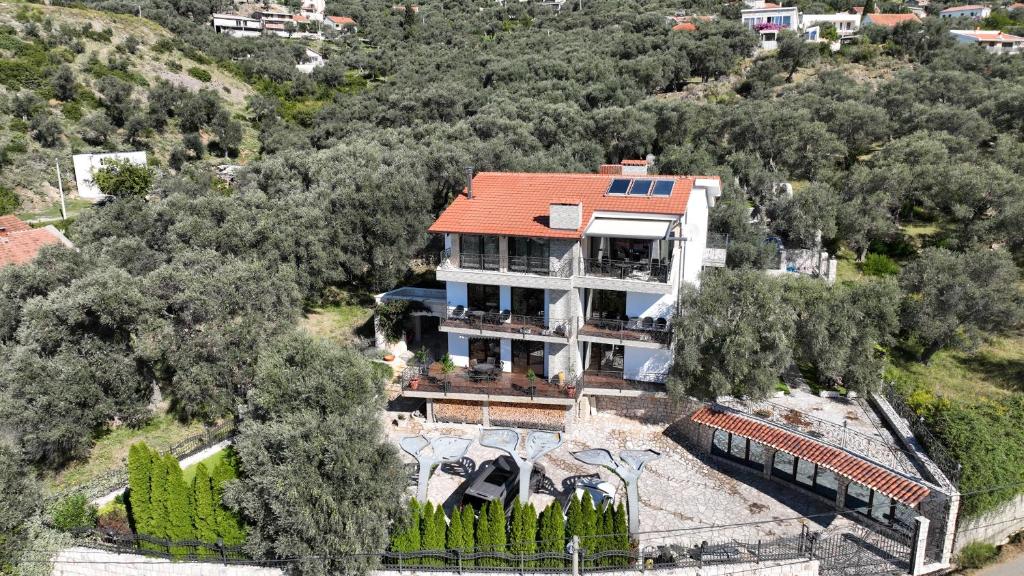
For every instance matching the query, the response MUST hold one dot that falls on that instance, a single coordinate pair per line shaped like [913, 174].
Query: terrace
[504, 324]
[490, 384]
[653, 330]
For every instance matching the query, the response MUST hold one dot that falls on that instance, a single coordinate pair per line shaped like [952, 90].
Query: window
[805, 473]
[482, 297]
[826, 483]
[720, 443]
[738, 447]
[479, 252]
[858, 498]
[755, 455]
[783, 466]
[881, 507]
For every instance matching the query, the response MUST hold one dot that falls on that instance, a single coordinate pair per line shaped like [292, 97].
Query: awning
[629, 228]
[839, 461]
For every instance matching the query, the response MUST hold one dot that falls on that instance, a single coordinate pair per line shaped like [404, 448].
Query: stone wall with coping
[994, 527]
[81, 561]
[780, 568]
[653, 409]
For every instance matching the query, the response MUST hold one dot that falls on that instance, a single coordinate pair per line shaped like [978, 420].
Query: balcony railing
[491, 383]
[498, 263]
[505, 321]
[643, 329]
[615, 380]
[644, 270]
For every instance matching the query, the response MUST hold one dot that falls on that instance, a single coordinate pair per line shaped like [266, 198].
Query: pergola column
[842, 483]
[769, 459]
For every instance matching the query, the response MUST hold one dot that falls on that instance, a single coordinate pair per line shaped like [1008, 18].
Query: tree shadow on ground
[1007, 373]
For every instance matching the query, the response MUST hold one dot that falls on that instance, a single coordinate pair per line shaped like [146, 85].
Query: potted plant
[447, 367]
[531, 377]
[421, 356]
[570, 389]
[414, 381]
[389, 357]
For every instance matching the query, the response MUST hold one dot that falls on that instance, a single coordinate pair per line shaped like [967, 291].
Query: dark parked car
[497, 479]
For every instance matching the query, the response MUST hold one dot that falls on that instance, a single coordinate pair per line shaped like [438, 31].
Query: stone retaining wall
[993, 527]
[649, 409]
[82, 561]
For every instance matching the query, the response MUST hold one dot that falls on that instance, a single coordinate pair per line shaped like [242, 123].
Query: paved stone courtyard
[682, 499]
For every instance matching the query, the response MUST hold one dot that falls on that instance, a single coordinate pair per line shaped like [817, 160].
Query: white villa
[558, 287]
[993, 41]
[846, 23]
[236, 25]
[973, 11]
[768, 19]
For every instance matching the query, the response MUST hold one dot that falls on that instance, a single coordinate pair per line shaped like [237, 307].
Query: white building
[310, 62]
[571, 277]
[341, 24]
[769, 20]
[313, 9]
[846, 23]
[235, 25]
[973, 11]
[86, 166]
[993, 41]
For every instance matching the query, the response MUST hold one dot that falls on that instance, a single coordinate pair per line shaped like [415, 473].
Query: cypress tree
[204, 516]
[468, 538]
[607, 541]
[453, 539]
[433, 539]
[179, 503]
[552, 534]
[621, 524]
[229, 526]
[574, 518]
[496, 523]
[408, 539]
[516, 543]
[159, 524]
[483, 534]
[529, 531]
[139, 487]
[588, 539]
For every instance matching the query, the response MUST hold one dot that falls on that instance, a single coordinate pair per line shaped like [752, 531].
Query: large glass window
[738, 447]
[755, 455]
[826, 483]
[881, 507]
[485, 297]
[720, 443]
[606, 357]
[805, 473]
[783, 467]
[485, 350]
[858, 497]
[480, 252]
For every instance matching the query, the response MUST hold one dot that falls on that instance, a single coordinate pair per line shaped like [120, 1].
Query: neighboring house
[683, 23]
[574, 277]
[311, 61]
[1015, 7]
[993, 41]
[235, 25]
[887, 20]
[313, 9]
[400, 8]
[769, 20]
[86, 166]
[973, 11]
[846, 23]
[342, 24]
[20, 243]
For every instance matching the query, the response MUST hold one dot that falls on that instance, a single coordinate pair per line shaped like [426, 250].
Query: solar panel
[663, 188]
[619, 186]
[640, 188]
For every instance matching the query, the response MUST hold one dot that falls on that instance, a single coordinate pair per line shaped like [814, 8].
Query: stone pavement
[682, 499]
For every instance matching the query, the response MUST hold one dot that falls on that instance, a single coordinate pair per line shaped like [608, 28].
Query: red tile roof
[518, 204]
[19, 242]
[964, 7]
[634, 162]
[839, 461]
[685, 27]
[610, 169]
[300, 18]
[989, 36]
[890, 20]
[342, 20]
[12, 223]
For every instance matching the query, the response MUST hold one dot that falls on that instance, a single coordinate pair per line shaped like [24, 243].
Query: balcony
[612, 383]
[467, 384]
[471, 261]
[640, 270]
[521, 271]
[628, 331]
[505, 325]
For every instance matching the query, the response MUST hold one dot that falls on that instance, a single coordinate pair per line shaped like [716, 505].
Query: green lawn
[343, 323]
[211, 462]
[74, 206]
[995, 370]
[111, 450]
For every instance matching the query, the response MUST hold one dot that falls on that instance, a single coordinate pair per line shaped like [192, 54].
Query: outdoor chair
[647, 323]
[661, 324]
[459, 313]
[506, 316]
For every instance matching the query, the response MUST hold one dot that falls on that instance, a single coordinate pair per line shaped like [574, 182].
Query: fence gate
[859, 551]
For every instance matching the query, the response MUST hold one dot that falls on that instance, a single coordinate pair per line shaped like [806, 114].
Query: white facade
[768, 21]
[993, 41]
[86, 166]
[311, 62]
[235, 25]
[974, 11]
[846, 23]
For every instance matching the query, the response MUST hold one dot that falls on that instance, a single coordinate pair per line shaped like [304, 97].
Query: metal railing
[471, 261]
[179, 550]
[646, 271]
[498, 263]
[647, 330]
[491, 383]
[530, 265]
[507, 322]
[934, 447]
[615, 379]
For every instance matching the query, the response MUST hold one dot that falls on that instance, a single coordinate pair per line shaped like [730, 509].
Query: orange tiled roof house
[557, 287]
[20, 243]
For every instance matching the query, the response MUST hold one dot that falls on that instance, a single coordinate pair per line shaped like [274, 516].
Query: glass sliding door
[528, 356]
[479, 252]
[482, 297]
[529, 255]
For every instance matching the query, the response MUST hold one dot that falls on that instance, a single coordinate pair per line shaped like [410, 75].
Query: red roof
[1016, 6]
[989, 36]
[685, 27]
[12, 223]
[610, 169]
[964, 7]
[518, 204]
[300, 18]
[634, 162]
[839, 461]
[890, 20]
[342, 20]
[19, 242]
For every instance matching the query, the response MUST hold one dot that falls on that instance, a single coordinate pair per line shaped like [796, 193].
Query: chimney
[565, 215]
[469, 182]
[634, 167]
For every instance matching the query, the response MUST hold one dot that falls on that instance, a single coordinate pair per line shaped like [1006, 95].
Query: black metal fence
[181, 550]
[668, 556]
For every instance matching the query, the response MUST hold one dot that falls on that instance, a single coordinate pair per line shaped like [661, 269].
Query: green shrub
[9, 201]
[163, 46]
[72, 111]
[74, 512]
[977, 554]
[174, 66]
[880, 265]
[199, 74]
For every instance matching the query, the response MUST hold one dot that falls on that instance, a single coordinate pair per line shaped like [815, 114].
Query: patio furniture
[490, 360]
[661, 324]
[483, 367]
[647, 323]
[459, 313]
[505, 316]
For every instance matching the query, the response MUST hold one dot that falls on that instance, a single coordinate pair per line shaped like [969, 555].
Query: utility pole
[60, 186]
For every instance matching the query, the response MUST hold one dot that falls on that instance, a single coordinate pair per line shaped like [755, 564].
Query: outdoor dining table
[484, 367]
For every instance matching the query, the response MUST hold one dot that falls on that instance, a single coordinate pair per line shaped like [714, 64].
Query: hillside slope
[36, 41]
